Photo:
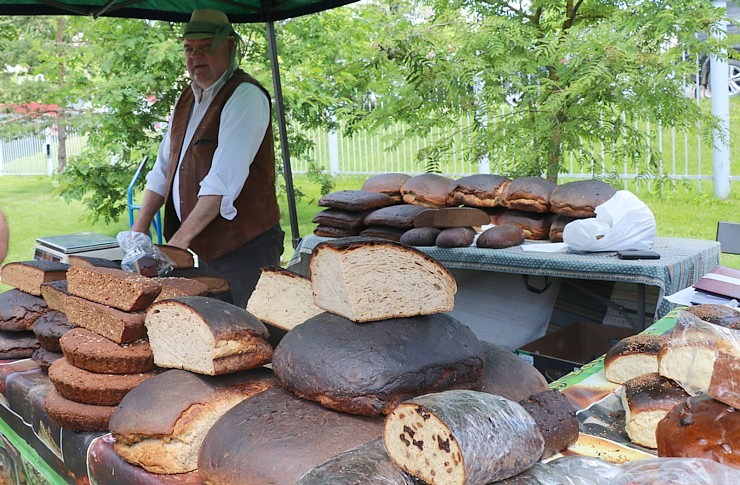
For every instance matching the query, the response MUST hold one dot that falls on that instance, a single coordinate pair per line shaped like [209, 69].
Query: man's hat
[207, 23]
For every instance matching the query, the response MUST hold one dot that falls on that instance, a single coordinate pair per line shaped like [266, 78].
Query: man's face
[204, 66]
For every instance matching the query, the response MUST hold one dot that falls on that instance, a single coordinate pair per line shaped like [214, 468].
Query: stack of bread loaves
[521, 208]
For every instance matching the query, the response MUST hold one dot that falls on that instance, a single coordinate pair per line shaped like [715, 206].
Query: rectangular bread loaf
[28, 276]
[114, 324]
[113, 287]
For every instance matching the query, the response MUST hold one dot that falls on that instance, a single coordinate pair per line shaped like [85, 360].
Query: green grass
[34, 211]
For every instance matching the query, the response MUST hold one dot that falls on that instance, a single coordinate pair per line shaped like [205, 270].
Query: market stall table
[486, 287]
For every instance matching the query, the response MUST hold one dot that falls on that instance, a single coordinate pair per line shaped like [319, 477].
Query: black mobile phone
[632, 254]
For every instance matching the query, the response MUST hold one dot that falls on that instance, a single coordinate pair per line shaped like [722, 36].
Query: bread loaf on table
[367, 280]
[49, 328]
[479, 190]
[462, 437]
[116, 288]
[646, 400]
[633, 356]
[368, 463]
[161, 424]
[19, 310]
[94, 353]
[427, 190]
[117, 325]
[55, 294]
[28, 276]
[206, 336]
[368, 369]
[276, 437]
[386, 183]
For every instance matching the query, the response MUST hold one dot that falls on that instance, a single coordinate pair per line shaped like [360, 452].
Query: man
[215, 170]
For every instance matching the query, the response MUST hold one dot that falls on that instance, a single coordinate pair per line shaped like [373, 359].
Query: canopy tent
[238, 11]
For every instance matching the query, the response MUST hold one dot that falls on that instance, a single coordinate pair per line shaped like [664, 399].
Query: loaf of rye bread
[646, 400]
[77, 416]
[161, 424]
[633, 356]
[427, 189]
[556, 419]
[501, 237]
[182, 258]
[54, 294]
[116, 288]
[94, 353]
[206, 336]
[19, 310]
[367, 280]
[368, 369]
[580, 198]
[17, 345]
[276, 437]
[282, 300]
[455, 237]
[356, 200]
[459, 437]
[529, 194]
[508, 375]
[86, 387]
[479, 190]
[341, 219]
[386, 183]
[27, 276]
[420, 236]
[452, 217]
[112, 323]
[401, 216]
[173, 286]
[49, 328]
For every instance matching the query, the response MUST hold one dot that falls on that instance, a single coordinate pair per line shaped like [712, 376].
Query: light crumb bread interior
[459, 437]
[282, 298]
[206, 335]
[28, 276]
[366, 280]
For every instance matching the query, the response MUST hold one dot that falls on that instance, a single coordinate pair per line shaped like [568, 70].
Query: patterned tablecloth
[681, 263]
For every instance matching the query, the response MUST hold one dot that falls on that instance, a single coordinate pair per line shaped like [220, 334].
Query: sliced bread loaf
[368, 279]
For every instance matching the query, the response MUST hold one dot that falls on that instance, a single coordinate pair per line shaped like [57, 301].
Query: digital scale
[91, 244]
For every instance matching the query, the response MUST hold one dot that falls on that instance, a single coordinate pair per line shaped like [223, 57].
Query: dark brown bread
[342, 219]
[399, 216]
[529, 194]
[28, 276]
[92, 352]
[508, 375]
[109, 322]
[49, 328]
[556, 419]
[386, 183]
[447, 217]
[456, 237]
[428, 190]
[356, 200]
[580, 198]
[18, 310]
[116, 288]
[500, 237]
[55, 294]
[275, 437]
[77, 416]
[420, 236]
[17, 345]
[358, 369]
[479, 190]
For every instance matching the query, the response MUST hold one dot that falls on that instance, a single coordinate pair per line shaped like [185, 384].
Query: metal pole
[287, 171]
[719, 75]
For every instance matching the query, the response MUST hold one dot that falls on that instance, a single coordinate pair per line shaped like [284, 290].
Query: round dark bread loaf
[701, 427]
[500, 237]
[530, 194]
[508, 375]
[580, 198]
[721, 315]
[355, 200]
[479, 190]
[19, 310]
[386, 183]
[456, 237]
[557, 226]
[420, 236]
[276, 437]
[367, 369]
[428, 190]
[535, 225]
[556, 419]
[49, 328]
[400, 216]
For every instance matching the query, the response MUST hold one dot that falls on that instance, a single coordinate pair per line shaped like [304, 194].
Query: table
[681, 263]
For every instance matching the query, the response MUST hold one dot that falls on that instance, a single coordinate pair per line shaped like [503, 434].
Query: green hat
[207, 23]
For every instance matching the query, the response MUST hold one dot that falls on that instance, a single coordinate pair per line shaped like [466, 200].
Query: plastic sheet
[141, 256]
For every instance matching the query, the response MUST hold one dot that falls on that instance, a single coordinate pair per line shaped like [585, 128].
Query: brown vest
[256, 206]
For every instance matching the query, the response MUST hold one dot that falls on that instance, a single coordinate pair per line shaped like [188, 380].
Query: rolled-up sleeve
[244, 121]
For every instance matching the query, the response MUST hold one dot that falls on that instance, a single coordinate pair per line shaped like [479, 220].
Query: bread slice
[367, 280]
[206, 335]
[27, 276]
[282, 298]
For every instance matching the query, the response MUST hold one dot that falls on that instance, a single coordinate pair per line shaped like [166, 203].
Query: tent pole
[287, 171]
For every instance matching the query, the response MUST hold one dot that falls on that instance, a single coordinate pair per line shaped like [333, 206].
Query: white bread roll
[366, 280]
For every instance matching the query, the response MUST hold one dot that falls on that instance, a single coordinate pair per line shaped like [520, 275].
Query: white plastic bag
[622, 222]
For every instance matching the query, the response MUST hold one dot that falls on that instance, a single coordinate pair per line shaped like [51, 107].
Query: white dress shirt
[244, 120]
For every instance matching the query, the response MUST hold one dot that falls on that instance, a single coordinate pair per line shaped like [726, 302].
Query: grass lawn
[34, 211]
